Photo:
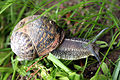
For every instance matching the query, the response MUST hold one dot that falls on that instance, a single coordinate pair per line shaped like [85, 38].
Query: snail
[39, 36]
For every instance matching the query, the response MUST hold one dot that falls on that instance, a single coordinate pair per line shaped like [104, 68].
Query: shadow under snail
[33, 35]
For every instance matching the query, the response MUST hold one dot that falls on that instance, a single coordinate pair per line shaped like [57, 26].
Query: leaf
[102, 44]
[63, 78]
[105, 68]
[78, 67]
[116, 73]
[74, 76]
[61, 74]
[99, 77]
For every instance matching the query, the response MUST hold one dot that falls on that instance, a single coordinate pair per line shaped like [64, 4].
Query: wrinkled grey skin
[74, 49]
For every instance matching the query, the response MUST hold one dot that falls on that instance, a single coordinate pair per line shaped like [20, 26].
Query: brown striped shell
[34, 35]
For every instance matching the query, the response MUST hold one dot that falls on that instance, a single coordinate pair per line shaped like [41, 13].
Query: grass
[88, 16]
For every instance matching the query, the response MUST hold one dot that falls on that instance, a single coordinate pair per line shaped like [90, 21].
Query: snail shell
[33, 35]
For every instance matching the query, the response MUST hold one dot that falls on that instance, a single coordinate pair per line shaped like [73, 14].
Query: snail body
[75, 48]
[39, 36]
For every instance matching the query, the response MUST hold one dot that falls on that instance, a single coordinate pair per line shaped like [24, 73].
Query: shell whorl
[43, 34]
[23, 46]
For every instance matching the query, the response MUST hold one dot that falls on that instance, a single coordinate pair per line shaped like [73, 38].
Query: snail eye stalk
[99, 34]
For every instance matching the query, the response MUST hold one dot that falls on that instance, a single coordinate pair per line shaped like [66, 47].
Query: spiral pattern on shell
[34, 35]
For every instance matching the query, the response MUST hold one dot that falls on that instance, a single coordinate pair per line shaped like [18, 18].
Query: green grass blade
[3, 57]
[6, 69]
[6, 76]
[59, 63]
[116, 72]
[7, 4]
